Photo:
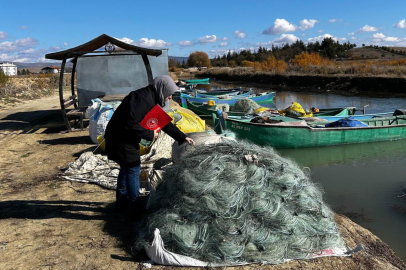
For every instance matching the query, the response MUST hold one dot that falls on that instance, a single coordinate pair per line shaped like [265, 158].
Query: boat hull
[301, 135]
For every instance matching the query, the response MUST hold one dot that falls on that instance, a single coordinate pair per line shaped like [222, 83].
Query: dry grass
[30, 87]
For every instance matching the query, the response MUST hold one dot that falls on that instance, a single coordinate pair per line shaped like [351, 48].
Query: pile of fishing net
[235, 203]
[245, 105]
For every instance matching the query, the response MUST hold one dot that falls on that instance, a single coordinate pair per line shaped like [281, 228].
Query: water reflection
[338, 154]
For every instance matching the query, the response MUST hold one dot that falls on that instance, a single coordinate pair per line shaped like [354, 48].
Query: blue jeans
[128, 188]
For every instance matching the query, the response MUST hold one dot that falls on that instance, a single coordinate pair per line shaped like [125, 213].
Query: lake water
[361, 181]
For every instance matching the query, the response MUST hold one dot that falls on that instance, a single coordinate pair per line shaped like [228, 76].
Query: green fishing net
[237, 202]
[245, 105]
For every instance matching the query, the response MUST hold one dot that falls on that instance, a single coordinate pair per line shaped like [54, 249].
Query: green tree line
[328, 48]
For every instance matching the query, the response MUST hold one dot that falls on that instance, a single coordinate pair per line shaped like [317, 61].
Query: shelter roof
[97, 43]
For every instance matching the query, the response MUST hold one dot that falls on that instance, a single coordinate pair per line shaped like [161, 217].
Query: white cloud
[220, 52]
[29, 51]
[8, 46]
[223, 44]
[320, 31]
[145, 42]
[239, 34]
[3, 35]
[391, 39]
[303, 35]
[126, 40]
[225, 38]
[379, 37]
[186, 43]
[401, 24]
[307, 24]
[353, 38]
[280, 26]
[23, 27]
[208, 39]
[367, 28]
[332, 20]
[351, 34]
[152, 43]
[284, 38]
[320, 38]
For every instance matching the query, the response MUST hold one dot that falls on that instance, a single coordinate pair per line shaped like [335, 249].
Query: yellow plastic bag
[211, 103]
[143, 149]
[296, 107]
[101, 141]
[261, 109]
[188, 123]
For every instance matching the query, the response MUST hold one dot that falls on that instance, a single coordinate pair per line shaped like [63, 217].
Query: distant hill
[376, 53]
[178, 58]
[36, 67]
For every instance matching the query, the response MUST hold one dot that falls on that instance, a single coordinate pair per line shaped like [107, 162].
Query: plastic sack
[145, 146]
[296, 110]
[99, 121]
[347, 122]
[262, 109]
[187, 123]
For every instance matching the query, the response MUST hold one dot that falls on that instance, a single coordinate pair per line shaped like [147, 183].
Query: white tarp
[159, 255]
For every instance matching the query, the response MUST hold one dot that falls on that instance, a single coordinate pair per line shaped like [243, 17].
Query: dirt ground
[48, 223]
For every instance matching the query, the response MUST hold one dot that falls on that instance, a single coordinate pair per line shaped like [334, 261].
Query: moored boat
[206, 111]
[196, 81]
[263, 97]
[301, 134]
[218, 95]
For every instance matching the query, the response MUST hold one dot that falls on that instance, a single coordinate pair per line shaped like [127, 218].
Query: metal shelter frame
[91, 47]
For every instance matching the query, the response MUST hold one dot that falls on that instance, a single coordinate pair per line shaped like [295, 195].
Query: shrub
[3, 78]
[246, 63]
[173, 69]
[305, 59]
[257, 66]
[273, 65]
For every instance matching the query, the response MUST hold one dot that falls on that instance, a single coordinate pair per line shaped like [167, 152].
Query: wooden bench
[71, 110]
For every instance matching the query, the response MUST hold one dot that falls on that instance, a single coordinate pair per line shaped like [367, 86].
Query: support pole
[65, 118]
[148, 68]
[72, 81]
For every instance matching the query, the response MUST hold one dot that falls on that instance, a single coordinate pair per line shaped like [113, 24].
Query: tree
[173, 65]
[3, 78]
[328, 48]
[199, 59]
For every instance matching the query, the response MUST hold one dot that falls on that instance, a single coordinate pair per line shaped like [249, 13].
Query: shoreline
[346, 85]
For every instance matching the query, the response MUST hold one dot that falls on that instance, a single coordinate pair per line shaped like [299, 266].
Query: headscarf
[165, 87]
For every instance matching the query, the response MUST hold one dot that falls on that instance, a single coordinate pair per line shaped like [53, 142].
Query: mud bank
[384, 86]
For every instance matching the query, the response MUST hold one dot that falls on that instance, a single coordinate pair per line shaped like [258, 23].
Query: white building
[51, 70]
[8, 69]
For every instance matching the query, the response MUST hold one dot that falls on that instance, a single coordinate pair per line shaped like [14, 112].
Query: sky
[31, 29]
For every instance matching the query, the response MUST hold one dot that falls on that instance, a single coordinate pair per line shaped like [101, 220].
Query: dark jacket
[124, 133]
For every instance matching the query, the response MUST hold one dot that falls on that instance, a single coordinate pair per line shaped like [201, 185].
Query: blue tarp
[347, 122]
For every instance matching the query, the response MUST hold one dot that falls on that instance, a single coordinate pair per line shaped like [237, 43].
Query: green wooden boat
[299, 134]
[205, 111]
[196, 81]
